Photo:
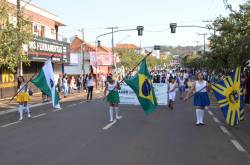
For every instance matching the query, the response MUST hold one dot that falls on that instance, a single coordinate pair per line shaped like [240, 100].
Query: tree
[129, 58]
[12, 37]
[232, 46]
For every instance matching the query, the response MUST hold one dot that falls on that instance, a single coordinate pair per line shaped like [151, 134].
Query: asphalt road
[80, 134]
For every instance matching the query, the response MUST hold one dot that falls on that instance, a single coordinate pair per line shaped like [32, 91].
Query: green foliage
[129, 58]
[12, 37]
[232, 46]
[192, 61]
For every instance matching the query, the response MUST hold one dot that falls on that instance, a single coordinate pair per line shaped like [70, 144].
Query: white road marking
[6, 125]
[210, 113]
[238, 146]
[81, 102]
[72, 105]
[57, 110]
[109, 125]
[216, 120]
[225, 130]
[38, 115]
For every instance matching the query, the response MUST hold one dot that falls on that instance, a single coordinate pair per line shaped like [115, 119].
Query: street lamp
[97, 42]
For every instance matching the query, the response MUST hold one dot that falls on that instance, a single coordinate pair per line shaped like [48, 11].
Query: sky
[155, 15]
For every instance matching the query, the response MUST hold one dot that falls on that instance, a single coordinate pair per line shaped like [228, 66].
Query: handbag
[30, 92]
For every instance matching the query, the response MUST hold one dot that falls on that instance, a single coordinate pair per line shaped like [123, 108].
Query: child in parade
[23, 97]
[111, 93]
[182, 86]
[201, 99]
[172, 92]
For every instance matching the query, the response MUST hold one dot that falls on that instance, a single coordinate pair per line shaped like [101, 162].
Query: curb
[16, 109]
[38, 105]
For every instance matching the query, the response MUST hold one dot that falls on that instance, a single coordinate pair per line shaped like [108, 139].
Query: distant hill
[179, 50]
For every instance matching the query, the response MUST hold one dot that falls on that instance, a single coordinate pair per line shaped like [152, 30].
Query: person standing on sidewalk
[112, 96]
[90, 86]
[65, 85]
[201, 99]
[78, 83]
[23, 97]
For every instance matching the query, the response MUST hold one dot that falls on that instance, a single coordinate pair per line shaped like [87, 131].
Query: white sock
[117, 113]
[202, 112]
[28, 110]
[20, 110]
[111, 110]
[197, 116]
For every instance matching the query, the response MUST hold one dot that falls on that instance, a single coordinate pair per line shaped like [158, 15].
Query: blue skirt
[182, 89]
[201, 99]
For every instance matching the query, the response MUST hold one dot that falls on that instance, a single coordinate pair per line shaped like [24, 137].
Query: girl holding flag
[112, 97]
[201, 99]
[23, 97]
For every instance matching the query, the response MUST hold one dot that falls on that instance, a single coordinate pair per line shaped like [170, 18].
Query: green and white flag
[45, 81]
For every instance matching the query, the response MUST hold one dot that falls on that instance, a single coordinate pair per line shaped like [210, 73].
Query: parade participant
[186, 77]
[201, 99]
[172, 92]
[23, 97]
[90, 86]
[181, 83]
[111, 93]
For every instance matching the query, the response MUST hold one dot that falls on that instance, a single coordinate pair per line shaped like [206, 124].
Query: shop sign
[40, 49]
[7, 78]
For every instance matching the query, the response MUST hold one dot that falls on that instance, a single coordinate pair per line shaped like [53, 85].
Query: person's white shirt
[90, 82]
[185, 75]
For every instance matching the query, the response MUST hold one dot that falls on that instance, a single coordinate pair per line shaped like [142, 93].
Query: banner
[101, 59]
[127, 95]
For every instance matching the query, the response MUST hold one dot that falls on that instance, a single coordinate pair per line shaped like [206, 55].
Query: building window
[35, 28]
[52, 32]
[43, 31]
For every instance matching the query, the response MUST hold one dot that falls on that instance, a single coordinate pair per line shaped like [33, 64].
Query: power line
[157, 31]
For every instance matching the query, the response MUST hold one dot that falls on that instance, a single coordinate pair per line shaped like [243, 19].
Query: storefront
[42, 49]
[39, 50]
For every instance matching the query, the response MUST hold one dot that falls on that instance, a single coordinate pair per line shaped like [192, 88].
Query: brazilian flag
[142, 86]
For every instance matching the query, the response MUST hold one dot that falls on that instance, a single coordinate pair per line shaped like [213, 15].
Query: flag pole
[23, 87]
[133, 69]
[28, 81]
[204, 88]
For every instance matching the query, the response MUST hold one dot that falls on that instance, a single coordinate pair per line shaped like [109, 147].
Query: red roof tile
[126, 46]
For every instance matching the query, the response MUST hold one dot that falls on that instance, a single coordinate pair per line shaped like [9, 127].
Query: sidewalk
[36, 100]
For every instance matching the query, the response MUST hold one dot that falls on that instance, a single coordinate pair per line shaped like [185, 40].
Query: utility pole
[82, 51]
[204, 46]
[20, 64]
[212, 26]
[112, 42]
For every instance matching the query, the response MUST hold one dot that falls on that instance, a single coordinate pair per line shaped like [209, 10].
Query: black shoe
[202, 124]
[197, 124]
